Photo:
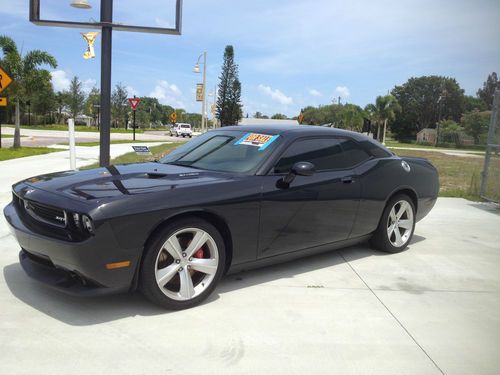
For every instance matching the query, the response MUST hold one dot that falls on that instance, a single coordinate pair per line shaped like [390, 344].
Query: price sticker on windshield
[262, 141]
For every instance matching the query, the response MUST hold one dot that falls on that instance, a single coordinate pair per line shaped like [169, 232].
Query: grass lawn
[131, 157]
[458, 176]
[21, 152]
[117, 142]
[393, 143]
[78, 128]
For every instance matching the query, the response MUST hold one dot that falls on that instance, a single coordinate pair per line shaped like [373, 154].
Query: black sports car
[231, 199]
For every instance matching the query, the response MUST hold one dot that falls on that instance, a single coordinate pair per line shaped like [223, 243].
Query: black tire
[381, 239]
[147, 278]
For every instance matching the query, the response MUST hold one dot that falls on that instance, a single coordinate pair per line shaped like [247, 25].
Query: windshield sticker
[262, 141]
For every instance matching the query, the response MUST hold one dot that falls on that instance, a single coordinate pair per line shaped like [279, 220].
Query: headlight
[88, 224]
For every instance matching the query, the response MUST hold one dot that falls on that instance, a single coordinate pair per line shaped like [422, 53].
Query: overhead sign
[134, 102]
[5, 80]
[199, 92]
[142, 150]
[3, 102]
[173, 117]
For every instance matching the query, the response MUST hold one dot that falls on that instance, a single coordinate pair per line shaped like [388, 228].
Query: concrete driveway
[432, 309]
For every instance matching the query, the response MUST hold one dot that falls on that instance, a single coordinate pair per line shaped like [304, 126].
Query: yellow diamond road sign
[3, 102]
[5, 80]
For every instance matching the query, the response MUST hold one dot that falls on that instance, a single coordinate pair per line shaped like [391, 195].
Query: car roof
[295, 130]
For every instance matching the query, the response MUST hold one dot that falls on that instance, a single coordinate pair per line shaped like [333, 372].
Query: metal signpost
[134, 102]
[106, 26]
[490, 181]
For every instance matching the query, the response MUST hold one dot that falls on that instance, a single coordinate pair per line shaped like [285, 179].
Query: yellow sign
[173, 117]
[90, 39]
[199, 92]
[5, 80]
[301, 117]
[3, 102]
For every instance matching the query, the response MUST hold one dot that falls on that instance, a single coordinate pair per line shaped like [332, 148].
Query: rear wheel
[396, 226]
[183, 264]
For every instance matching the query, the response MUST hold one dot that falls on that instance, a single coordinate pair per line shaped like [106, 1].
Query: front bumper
[77, 268]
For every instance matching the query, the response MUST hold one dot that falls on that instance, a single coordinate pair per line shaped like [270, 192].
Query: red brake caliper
[199, 253]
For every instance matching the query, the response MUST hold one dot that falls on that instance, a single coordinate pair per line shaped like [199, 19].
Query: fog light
[87, 224]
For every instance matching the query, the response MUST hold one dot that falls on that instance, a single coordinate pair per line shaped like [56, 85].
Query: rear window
[185, 126]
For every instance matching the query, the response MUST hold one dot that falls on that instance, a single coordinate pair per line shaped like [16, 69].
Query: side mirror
[301, 168]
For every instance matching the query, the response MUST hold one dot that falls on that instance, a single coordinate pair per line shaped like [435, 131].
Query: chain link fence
[490, 181]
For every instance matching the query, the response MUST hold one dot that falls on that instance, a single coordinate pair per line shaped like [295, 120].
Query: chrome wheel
[400, 223]
[187, 264]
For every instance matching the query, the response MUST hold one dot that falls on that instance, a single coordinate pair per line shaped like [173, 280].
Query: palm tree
[384, 109]
[25, 73]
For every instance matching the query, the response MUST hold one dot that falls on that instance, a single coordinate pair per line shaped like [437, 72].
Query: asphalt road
[432, 309]
[40, 138]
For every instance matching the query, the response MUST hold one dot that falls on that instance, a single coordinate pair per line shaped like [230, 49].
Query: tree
[229, 98]
[25, 71]
[92, 104]
[488, 90]
[472, 103]
[75, 97]
[119, 104]
[384, 110]
[424, 101]
[44, 101]
[61, 100]
[279, 116]
[476, 124]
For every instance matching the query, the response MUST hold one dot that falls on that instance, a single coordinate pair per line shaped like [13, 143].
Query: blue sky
[290, 53]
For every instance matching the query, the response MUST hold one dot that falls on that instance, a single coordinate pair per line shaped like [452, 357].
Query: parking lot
[432, 309]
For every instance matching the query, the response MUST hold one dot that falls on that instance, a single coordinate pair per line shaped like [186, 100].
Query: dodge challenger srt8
[229, 200]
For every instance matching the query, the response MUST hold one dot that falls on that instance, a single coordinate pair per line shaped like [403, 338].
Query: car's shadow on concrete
[83, 311]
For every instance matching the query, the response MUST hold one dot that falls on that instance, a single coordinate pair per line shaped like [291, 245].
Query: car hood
[120, 180]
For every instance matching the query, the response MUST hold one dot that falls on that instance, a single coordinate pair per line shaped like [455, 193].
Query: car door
[314, 210]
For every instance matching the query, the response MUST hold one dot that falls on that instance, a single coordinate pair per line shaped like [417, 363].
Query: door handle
[347, 180]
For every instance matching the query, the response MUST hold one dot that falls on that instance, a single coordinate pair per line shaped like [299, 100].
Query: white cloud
[275, 94]
[60, 80]
[167, 93]
[314, 92]
[343, 92]
[160, 22]
[131, 91]
[88, 85]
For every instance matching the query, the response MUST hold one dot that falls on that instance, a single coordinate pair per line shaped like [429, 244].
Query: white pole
[72, 153]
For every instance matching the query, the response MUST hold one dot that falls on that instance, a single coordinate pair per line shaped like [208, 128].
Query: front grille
[46, 214]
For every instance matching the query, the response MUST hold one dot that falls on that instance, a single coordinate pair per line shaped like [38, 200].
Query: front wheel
[183, 264]
[396, 226]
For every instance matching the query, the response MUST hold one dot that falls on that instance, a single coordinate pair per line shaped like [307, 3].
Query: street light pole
[106, 47]
[203, 106]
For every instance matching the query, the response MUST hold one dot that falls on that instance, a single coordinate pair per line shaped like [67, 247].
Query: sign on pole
[3, 102]
[90, 38]
[199, 92]
[134, 102]
[173, 117]
[5, 80]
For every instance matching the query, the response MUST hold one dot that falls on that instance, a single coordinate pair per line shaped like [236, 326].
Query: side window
[353, 154]
[325, 154]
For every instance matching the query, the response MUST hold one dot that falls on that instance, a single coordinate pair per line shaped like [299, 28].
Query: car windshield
[225, 151]
[185, 126]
